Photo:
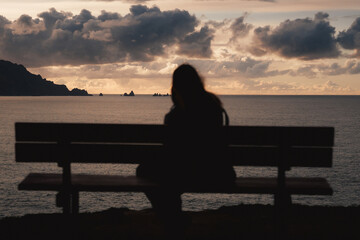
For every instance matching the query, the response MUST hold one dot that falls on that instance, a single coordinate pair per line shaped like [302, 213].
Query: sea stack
[131, 94]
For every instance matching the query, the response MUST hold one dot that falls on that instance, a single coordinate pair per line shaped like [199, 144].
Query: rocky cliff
[15, 80]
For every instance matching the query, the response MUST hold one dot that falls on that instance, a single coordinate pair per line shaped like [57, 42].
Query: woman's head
[186, 84]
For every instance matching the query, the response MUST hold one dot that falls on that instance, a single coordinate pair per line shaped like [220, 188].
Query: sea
[341, 112]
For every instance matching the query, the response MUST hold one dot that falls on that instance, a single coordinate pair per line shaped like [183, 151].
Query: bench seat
[115, 183]
[280, 147]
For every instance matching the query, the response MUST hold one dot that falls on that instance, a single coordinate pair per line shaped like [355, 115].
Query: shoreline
[236, 222]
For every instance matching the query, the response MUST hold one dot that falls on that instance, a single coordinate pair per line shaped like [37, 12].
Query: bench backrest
[134, 143]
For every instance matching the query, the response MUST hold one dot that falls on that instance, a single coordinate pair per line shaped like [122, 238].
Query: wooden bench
[65, 143]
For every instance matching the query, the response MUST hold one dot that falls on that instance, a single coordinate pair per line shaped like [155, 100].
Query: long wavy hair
[188, 88]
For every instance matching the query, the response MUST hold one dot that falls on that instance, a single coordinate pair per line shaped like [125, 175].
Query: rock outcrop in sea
[161, 95]
[131, 94]
[16, 80]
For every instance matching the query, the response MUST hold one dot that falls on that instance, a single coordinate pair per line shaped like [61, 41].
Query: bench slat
[114, 183]
[278, 135]
[137, 153]
[147, 133]
[84, 132]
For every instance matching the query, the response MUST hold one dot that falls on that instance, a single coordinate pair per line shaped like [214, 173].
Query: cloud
[350, 67]
[251, 68]
[61, 38]
[52, 16]
[350, 39]
[197, 44]
[305, 39]
[239, 29]
[238, 67]
[266, 86]
[273, 87]
[308, 71]
[106, 16]
[321, 16]
[26, 25]
[331, 87]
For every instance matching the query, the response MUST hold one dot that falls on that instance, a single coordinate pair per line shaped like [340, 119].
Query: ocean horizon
[339, 111]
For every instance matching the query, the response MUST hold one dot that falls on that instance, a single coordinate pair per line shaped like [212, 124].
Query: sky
[238, 47]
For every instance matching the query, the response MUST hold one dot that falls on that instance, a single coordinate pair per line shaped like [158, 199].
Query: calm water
[342, 112]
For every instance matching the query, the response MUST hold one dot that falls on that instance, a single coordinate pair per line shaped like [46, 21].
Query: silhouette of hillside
[16, 80]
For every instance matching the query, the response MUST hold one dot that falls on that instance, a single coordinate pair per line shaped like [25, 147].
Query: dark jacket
[194, 147]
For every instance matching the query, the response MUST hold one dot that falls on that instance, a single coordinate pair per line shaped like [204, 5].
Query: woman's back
[195, 143]
[193, 149]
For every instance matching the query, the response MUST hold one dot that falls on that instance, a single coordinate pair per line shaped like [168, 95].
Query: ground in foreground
[238, 222]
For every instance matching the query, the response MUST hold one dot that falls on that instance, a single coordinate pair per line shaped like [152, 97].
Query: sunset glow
[239, 47]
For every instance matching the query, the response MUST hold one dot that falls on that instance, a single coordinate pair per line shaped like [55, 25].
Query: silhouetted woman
[194, 147]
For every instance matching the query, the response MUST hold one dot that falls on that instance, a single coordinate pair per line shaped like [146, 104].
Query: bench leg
[282, 203]
[68, 201]
[75, 202]
[63, 199]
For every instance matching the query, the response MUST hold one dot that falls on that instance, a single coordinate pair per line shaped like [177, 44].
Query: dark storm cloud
[25, 20]
[3, 23]
[52, 16]
[197, 44]
[61, 38]
[350, 39]
[104, 16]
[321, 16]
[150, 31]
[304, 39]
[239, 29]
